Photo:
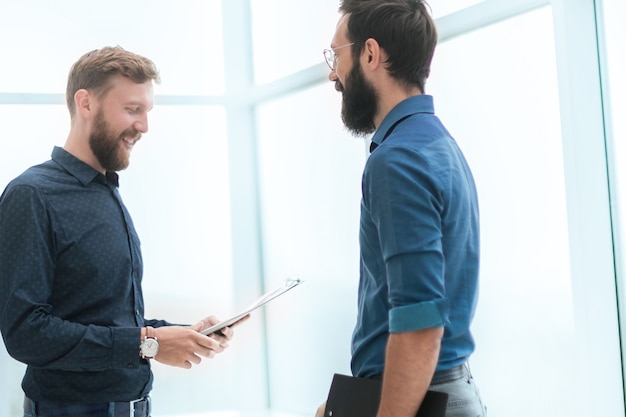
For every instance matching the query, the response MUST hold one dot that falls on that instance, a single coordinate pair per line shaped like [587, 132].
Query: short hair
[95, 70]
[403, 28]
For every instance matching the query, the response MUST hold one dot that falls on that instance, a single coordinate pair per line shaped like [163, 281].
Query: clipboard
[359, 397]
[264, 299]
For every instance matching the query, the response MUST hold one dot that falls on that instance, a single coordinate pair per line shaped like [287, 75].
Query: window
[241, 183]
[487, 95]
[615, 104]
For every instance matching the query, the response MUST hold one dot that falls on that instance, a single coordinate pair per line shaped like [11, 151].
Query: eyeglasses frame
[330, 56]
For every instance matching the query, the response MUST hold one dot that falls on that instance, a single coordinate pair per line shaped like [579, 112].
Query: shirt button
[130, 366]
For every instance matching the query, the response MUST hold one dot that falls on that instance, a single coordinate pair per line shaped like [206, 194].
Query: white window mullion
[591, 246]
[247, 257]
[482, 14]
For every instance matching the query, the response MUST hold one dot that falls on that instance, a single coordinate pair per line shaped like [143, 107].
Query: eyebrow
[141, 104]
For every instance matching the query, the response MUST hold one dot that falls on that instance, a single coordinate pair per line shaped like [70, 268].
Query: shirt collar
[79, 169]
[412, 105]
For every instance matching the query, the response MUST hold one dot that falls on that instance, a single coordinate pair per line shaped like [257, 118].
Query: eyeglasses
[331, 57]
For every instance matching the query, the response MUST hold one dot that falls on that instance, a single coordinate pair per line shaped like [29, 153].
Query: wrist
[149, 346]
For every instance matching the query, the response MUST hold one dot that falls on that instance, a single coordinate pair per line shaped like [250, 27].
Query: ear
[83, 101]
[373, 54]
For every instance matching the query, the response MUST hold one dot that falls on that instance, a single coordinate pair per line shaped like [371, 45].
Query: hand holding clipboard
[264, 299]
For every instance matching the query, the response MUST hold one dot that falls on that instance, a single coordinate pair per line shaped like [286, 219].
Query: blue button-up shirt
[419, 239]
[71, 305]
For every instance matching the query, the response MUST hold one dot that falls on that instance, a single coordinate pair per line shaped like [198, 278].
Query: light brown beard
[105, 144]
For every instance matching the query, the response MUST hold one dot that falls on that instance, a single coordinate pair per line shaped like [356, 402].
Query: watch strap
[150, 333]
[149, 346]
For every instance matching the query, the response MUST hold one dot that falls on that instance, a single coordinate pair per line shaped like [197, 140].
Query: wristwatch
[149, 347]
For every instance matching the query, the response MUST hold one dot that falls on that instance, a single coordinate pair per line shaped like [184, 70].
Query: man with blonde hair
[71, 269]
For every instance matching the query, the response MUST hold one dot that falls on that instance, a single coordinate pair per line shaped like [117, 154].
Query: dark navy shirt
[71, 305]
[419, 239]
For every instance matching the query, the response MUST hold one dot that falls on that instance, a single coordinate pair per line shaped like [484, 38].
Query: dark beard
[359, 103]
[105, 145]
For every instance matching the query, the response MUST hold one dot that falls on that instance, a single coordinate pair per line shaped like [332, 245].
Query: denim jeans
[463, 397]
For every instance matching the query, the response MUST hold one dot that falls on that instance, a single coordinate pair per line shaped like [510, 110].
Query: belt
[448, 375]
[137, 408]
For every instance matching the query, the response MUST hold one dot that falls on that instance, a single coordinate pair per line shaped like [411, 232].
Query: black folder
[359, 397]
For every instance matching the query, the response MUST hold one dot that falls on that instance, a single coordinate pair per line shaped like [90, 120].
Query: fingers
[199, 326]
[211, 320]
[207, 322]
[190, 360]
[183, 347]
[209, 352]
[321, 410]
[223, 336]
[210, 345]
[196, 358]
[241, 320]
[188, 364]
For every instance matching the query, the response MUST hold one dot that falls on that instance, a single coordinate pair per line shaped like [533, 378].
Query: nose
[141, 125]
[332, 76]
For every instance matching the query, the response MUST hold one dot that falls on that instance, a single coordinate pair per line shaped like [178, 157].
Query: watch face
[149, 348]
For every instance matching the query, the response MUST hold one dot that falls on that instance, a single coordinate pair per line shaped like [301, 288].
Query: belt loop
[132, 407]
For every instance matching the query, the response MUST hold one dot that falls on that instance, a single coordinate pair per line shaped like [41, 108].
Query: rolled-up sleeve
[407, 209]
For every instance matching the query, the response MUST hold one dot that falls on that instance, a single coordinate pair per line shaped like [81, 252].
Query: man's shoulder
[37, 176]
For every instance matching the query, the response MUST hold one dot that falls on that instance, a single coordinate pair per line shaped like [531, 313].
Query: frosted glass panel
[289, 36]
[443, 8]
[496, 90]
[177, 190]
[615, 96]
[22, 147]
[40, 40]
[310, 171]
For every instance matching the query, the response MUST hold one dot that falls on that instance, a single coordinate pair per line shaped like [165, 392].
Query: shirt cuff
[126, 342]
[426, 315]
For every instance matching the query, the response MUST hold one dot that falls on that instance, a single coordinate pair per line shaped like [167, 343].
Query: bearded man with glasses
[419, 227]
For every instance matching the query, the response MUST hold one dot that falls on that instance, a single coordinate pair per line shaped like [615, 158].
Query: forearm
[56, 344]
[410, 363]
